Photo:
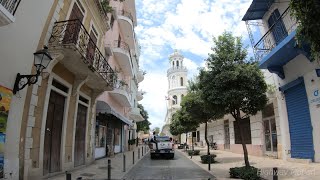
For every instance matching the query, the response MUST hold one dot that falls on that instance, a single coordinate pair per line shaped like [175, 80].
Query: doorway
[270, 134]
[80, 136]
[226, 135]
[53, 131]
[73, 28]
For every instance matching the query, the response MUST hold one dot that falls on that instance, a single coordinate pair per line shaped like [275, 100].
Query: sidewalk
[287, 170]
[99, 168]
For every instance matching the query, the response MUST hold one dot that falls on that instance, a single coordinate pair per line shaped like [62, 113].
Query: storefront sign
[315, 97]
[5, 99]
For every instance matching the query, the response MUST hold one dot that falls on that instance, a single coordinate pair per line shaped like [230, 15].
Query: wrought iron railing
[72, 34]
[126, 14]
[282, 27]
[10, 5]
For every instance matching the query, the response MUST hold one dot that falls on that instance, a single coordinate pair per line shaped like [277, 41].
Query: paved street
[178, 168]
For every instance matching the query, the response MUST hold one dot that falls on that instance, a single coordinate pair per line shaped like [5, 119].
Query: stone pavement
[287, 170]
[99, 168]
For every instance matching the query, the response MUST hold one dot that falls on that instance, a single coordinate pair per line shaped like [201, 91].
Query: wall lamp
[42, 59]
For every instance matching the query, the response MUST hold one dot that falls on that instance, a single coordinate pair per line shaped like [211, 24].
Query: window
[177, 63]
[111, 21]
[278, 30]
[244, 124]
[182, 96]
[100, 136]
[181, 81]
[174, 100]
[172, 63]
[119, 41]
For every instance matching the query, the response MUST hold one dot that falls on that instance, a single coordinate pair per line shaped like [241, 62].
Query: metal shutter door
[299, 122]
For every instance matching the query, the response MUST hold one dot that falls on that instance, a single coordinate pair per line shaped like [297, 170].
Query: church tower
[177, 81]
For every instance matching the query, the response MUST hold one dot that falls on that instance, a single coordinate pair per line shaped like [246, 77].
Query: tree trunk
[192, 141]
[245, 151]
[206, 138]
[186, 141]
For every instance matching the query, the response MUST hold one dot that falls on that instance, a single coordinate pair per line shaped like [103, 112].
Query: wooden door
[80, 137]
[52, 141]
[73, 27]
[91, 47]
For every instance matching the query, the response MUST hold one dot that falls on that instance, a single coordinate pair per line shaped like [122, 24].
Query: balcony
[135, 115]
[140, 95]
[122, 54]
[121, 93]
[278, 45]
[7, 11]
[126, 23]
[140, 76]
[177, 69]
[80, 54]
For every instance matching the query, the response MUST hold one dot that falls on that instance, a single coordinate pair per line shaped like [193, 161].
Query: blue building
[296, 75]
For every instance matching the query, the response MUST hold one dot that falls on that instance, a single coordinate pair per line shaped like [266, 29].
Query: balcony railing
[72, 34]
[10, 5]
[126, 14]
[176, 69]
[282, 27]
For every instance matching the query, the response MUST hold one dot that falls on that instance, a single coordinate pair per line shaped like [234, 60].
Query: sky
[185, 25]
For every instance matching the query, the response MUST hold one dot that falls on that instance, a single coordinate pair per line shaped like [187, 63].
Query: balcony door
[73, 27]
[278, 30]
[92, 46]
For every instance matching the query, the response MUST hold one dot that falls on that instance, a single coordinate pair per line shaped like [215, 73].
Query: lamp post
[42, 59]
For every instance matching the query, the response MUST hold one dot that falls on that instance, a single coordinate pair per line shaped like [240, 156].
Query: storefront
[109, 132]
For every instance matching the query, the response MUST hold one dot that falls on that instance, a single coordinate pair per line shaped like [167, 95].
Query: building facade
[177, 79]
[296, 76]
[51, 126]
[262, 137]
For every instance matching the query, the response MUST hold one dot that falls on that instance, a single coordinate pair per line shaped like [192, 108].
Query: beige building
[51, 125]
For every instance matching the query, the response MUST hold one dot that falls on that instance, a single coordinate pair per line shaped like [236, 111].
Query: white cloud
[185, 25]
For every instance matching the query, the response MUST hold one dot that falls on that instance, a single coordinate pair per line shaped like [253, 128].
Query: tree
[307, 14]
[157, 130]
[143, 125]
[235, 85]
[199, 111]
[182, 122]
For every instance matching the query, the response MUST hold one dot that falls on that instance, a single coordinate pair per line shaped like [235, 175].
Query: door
[279, 30]
[80, 137]
[91, 47]
[52, 140]
[270, 134]
[226, 135]
[73, 27]
[300, 127]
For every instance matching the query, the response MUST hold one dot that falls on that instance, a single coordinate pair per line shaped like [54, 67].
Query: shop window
[100, 136]
[244, 124]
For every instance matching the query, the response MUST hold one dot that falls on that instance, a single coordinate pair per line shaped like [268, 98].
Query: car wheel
[151, 156]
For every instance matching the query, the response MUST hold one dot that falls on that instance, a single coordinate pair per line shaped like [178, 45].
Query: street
[178, 168]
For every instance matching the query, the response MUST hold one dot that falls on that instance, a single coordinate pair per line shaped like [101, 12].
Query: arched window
[177, 63]
[181, 81]
[173, 63]
[174, 100]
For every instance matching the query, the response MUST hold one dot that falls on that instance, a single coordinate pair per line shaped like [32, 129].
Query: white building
[177, 80]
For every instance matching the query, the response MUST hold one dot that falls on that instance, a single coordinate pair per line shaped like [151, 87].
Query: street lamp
[42, 59]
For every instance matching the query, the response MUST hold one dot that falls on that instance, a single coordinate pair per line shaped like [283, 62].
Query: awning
[257, 9]
[103, 108]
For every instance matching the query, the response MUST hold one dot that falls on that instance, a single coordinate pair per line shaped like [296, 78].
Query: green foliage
[307, 13]
[250, 173]
[182, 122]
[143, 125]
[232, 83]
[132, 141]
[194, 153]
[205, 158]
